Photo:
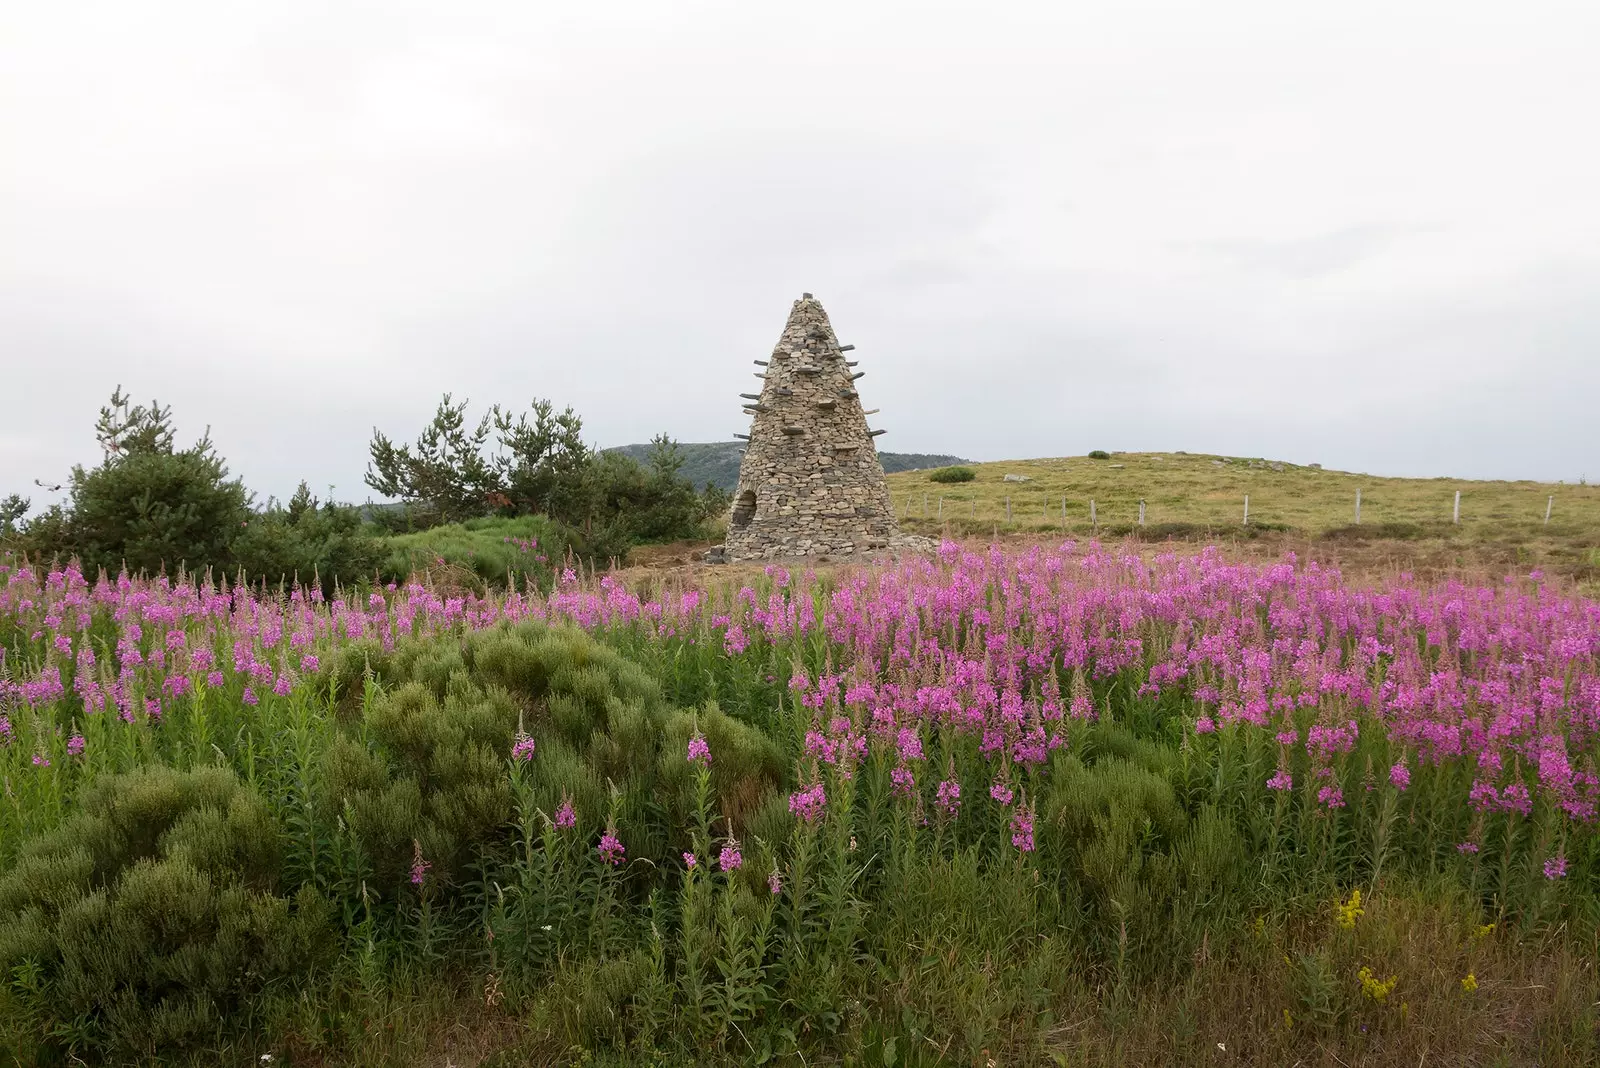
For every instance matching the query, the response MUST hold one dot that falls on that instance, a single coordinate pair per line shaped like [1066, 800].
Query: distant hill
[717, 462]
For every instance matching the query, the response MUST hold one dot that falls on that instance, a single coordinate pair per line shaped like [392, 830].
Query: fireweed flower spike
[419, 867]
[522, 750]
[566, 818]
[808, 804]
[610, 848]
[730, 858]
[1022, 828]
[774, 883]
[699, 752]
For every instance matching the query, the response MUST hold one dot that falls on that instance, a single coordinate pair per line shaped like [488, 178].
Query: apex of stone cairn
[810, 482]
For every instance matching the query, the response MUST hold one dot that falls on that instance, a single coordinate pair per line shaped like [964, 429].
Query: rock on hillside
[717, 462]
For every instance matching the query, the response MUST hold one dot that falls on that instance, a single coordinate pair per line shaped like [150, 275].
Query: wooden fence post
[1141, 513]
[1456, 515]
[1358, 507]
[1247, 509]
[1008, 508]
[1093, 522]
[1548, 504]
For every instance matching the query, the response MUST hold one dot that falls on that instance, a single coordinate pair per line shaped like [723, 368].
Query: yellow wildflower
[1470, 983]
[1485, 931]
[1348, 912]
[1288, 1021]
[1373, 987]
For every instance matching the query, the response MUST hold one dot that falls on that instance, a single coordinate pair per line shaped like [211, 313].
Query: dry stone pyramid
[810, 482]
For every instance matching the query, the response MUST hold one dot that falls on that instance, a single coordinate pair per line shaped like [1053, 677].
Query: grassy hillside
[717, 462]
[1202, 496]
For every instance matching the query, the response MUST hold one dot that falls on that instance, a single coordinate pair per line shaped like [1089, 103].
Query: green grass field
[1201, 497]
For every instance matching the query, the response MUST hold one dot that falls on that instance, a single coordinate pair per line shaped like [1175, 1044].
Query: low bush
[1099, 454]
[150, 922]
[953, 474]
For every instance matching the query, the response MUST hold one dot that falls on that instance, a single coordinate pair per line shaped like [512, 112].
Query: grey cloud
[1315, 255]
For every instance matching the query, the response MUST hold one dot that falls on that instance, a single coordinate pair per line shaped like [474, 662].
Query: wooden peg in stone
[761, 363]
[872, 411]
[742, 437]
[875, 433]
[852, 363]
[846, 348]
[857, 375]
[827, 405]
[750, 396]
[794, 431]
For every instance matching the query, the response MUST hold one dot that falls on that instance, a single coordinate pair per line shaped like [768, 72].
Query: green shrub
[431, 777]
[151, 920]
[953, 474]
[431, 772]
[308, 539]
[1099, 454]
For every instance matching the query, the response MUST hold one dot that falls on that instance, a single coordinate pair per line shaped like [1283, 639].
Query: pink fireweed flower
[688, 861]
[610, 848]
[910, 744]
[281, 687]
[730, 859]
[249, 697]
[40, 760]
[1555, 867]
[947, 799]
[1002, 793]
[774, 883]
[1281, 781]
[1400, 775]
[809, 803]
[699, 752]
[1331, 796]
[566, 818]
[735, 641]
[214, 679]
[419, 867]
[522, 750]
[1022, 828]
[75, 745]
[1466, 847]
[1205, 725]
[5, 731]
[309, 663]
[902, 782]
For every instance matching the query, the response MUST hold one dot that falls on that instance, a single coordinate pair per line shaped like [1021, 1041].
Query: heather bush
[953, 474]
[1099, 454]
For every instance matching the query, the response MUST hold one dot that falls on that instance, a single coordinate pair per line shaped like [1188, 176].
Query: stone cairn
[810, 482]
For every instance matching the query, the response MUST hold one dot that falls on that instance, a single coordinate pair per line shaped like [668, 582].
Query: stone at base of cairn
[898, 545]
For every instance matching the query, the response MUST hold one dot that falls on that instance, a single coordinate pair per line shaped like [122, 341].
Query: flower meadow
[993, 804]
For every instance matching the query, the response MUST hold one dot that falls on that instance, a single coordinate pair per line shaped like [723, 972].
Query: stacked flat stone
[810, 482]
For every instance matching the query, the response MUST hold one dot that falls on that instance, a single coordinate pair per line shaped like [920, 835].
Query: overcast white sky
[1361, 234]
